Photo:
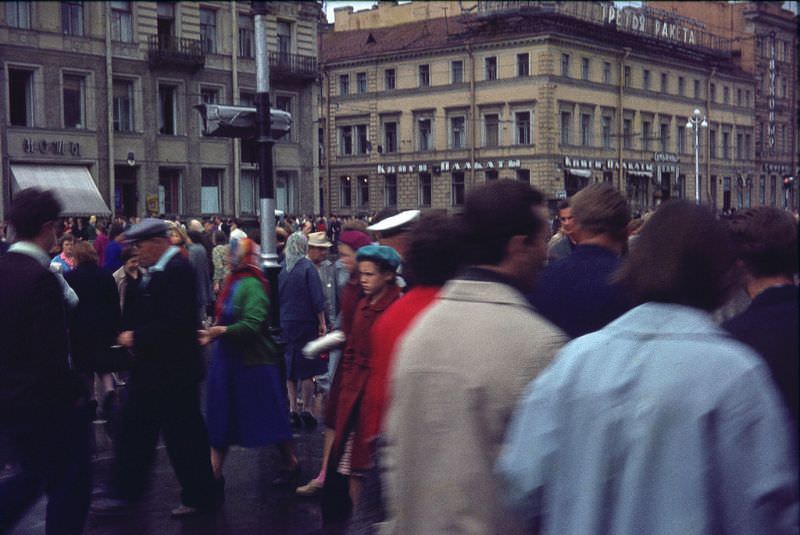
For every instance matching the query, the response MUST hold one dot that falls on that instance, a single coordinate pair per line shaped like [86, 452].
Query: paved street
[252, 505]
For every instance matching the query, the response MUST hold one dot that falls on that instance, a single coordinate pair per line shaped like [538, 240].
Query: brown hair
[601, 209]
[766, 241]
[84, 253]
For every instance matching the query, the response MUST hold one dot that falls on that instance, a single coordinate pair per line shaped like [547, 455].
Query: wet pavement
[252, 504]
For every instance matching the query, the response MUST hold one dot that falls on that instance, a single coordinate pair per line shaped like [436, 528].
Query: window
[121, 22]
[209, 95]
[490, 174]
[696, 88]
[457, 133]
[564, 64]
[345, 140]
[247, 99]
[522, 127]
[457, 71]
[20, 97]
[586, 129]
[627, 134]
[248, 192]
[606, 72]
[361, 82]
[389, 79]
[18, 14]
[646, 134]
[646, 79]
[605, 127]
[627, 77]
[72, 18]
[345, 190]
[566, 119]
[490, 65]
[663, 136]
[425, 189]
[208, 30]
[523, 65]
[664, 83]
[738, 97]
[773, 194]
[284, 103]
[762, 190]
[344, 84]
[363, 190]
[424, 133]
[524, 175]
[74, 92]
[169, 191]
[457, 188]
[726, 145]
[210, 191]
[167, 109]
[390, 190]
[712, 143]
[584, 68]
[713, 92]
[739, 146]
[491, 130]
[123, 106]
[681, 85]
[748, 140]
[424, 75]
[362, 138]
[245, 36]
[390, 137]
[284, 30]
[747, 97]
[726, 97]
[681, 138]
[784, 90]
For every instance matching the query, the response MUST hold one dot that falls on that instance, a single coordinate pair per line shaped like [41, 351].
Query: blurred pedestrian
[111, 257]
[302, 305]
[246, 401]
[659, 423]
[43, 414]
[766, 243]
[128, 275]
[563, 242]
[221, 259]
[100, 243]
[460, 371]
[65, 260]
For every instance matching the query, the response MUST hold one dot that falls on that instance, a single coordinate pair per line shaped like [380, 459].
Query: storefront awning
[585, 173]
[640, 174]
[72, 184]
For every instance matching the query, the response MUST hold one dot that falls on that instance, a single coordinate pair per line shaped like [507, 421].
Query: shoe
[219, 491]
[312, 488]
[185, 510]
[287, 476]
[308, 420]
[294, 420]
[110, 506]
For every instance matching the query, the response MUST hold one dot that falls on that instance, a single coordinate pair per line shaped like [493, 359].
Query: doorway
[126, 196]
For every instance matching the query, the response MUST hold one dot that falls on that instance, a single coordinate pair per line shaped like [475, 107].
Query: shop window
[210, 191]
[170, 201]
[390, 190]
[490, 174]
[524, 175]
[425, 189]
[457, 188]
[248, 192]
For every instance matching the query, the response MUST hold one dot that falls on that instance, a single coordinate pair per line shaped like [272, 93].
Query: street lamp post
[696, 123]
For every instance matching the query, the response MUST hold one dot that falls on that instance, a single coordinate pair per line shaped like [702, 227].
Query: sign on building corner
[59, 147]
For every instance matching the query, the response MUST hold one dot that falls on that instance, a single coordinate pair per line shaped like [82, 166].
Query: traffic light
[240, 121]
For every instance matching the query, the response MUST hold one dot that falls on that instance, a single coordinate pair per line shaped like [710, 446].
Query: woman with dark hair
[112, 260]
[664, 423]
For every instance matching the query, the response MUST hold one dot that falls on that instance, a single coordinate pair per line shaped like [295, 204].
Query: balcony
[293, 65]
[168, 52]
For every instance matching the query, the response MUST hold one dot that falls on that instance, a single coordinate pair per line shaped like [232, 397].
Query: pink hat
[355, 239]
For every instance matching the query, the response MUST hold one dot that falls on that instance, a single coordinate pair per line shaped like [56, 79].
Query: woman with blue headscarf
[302, 305]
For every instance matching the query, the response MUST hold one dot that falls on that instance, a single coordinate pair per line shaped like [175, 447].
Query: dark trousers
[53, 452]
[175, 412]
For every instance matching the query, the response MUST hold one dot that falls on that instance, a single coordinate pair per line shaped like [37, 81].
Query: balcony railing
[175, 52]
[293, 65]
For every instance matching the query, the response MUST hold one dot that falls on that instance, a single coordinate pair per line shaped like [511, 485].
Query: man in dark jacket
[43, 415]
[161, 329]
[766, 240]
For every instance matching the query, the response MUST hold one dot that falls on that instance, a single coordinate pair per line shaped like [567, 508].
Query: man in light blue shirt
[659, 423]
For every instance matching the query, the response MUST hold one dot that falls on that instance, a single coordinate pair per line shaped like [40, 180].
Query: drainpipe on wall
[620, 118]
[110, 114]
[472, 111]
[328, 135]
[712, 202]
[237, 163]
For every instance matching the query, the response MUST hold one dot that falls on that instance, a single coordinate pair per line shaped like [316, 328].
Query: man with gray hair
[575, 292]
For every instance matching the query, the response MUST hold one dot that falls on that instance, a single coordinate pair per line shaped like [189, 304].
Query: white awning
[585, 173]
[72, 184]
[641, 174]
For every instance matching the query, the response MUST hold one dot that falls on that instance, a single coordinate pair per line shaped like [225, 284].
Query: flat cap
[395, 223]
[148, 228]
[379, 253]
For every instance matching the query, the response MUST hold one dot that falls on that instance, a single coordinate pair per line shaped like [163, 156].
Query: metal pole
[269, 254]
[697, 162]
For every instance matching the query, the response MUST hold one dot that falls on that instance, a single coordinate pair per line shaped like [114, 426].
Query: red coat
[386, 333]
[354, 370]
[348, 299]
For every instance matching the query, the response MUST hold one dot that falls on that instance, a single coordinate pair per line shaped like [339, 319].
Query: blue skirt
[246, 405]
[297, 334]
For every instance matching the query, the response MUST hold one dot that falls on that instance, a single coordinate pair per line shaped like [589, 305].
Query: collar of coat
[383, 303]
[481, 291]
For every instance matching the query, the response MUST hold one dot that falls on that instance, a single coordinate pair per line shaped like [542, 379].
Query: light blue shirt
[658, 424]
[161, 265]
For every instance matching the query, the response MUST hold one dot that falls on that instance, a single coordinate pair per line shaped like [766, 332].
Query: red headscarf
[245, 268]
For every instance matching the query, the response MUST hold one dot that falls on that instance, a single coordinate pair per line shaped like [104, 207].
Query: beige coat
[458, 376]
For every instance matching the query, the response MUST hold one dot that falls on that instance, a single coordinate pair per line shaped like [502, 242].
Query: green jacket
[249, 333]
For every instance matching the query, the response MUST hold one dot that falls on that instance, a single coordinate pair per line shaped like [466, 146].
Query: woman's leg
[356, 486]
[217, 460]
[287, 453]
[291, 387]
[307, 393]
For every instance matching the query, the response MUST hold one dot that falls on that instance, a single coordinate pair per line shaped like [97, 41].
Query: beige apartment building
[559, 94]
[97, 101]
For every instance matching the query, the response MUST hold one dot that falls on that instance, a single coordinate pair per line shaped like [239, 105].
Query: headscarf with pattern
[296, 248]
[244, 263]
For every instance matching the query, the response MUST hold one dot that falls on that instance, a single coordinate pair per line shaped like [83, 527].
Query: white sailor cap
[395, 223]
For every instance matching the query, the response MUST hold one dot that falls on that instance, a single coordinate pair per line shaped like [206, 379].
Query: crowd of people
[486, 372]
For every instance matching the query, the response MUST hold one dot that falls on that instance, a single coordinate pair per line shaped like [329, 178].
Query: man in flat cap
[161, 323]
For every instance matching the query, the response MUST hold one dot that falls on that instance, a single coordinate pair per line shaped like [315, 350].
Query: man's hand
[322, 330]
[125, 339]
